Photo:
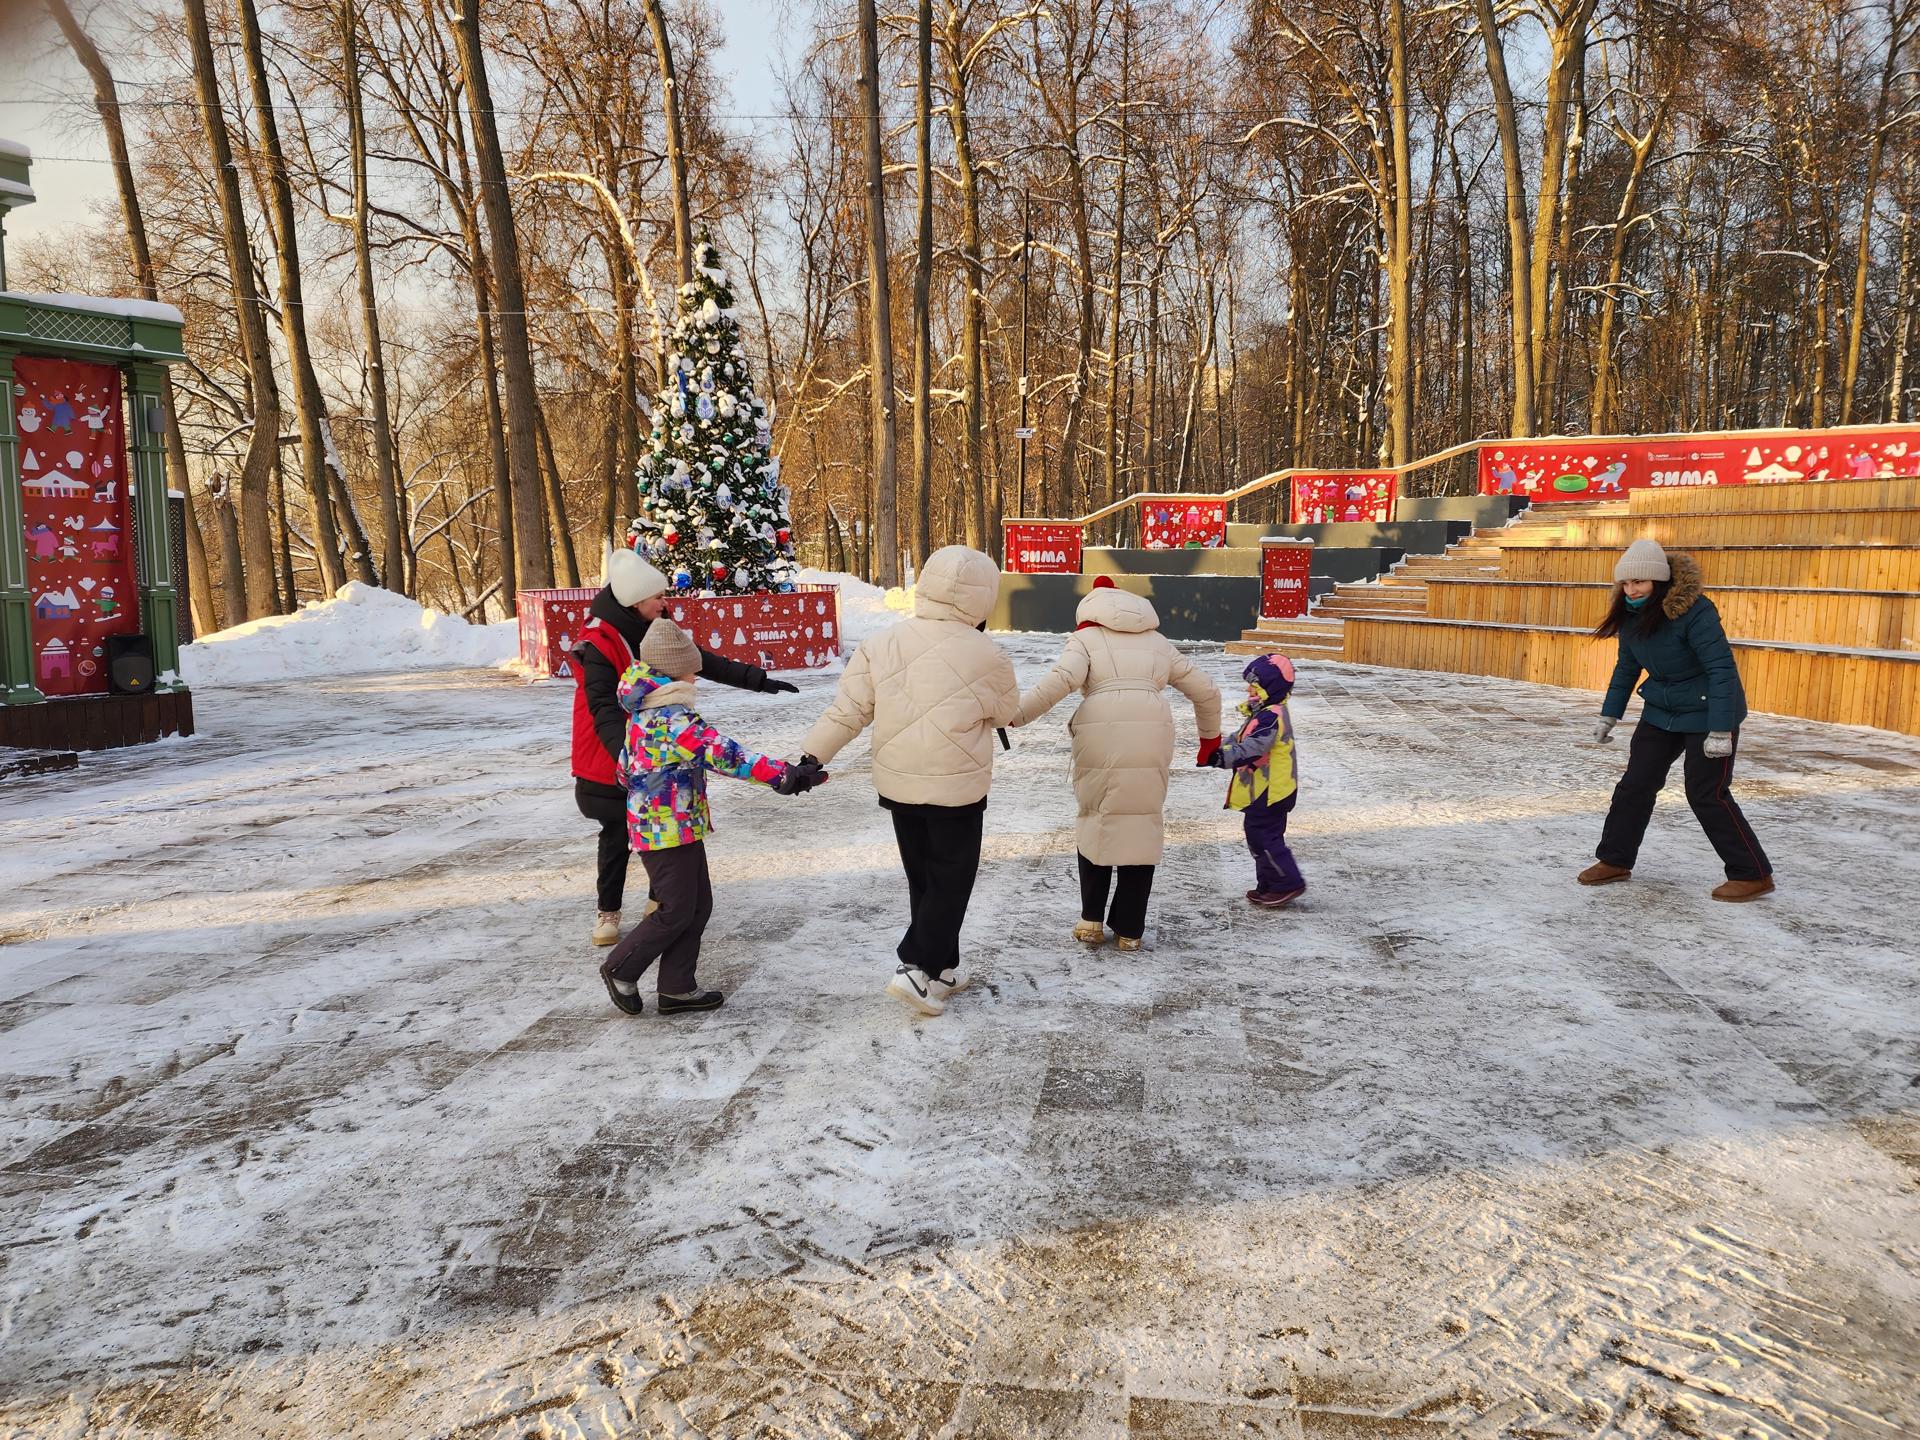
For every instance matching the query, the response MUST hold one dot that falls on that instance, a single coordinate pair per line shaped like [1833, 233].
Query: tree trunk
[233, 570]
[1519, 244]
[1857, 315]
[318, 458]
[386, 470]
[973, 333]
[885, 525]
[568, 561]
[1400, 250]
[254, 518]
[106, 101]
[676, 144]
[1600, 404]
[533, 565]
[1111, 490]
[922, 293]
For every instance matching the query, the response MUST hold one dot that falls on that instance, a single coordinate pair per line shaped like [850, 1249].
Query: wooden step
[1823, 567]
[1843, 686]
[1876, 494]
[1293, 650]
[1849, 619]
[1771, 527]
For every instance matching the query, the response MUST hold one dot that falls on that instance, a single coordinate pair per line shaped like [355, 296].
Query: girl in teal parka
[1692, 705]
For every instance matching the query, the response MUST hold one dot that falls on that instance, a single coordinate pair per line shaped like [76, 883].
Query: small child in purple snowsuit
[1266, 779]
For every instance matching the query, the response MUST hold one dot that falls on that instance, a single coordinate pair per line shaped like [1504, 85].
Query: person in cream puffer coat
[1122, 748]
[934, 688]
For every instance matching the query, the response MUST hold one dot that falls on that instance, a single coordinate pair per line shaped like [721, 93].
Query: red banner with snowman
[797, 629]
[73, 496]
[1324, 497]
[1183, 524]
[1558, 470]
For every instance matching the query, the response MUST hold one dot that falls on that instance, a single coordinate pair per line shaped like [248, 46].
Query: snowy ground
[317, 1122]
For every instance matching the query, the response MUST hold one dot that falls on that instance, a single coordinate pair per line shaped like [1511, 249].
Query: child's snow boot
[624, 993]
[917, 991]
[1089, 932]
[606, 928]
[1271, 900]
[692, 1000]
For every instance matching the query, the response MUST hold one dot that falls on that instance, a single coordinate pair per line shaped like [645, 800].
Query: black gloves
[800, 777]
[771, 686]
[1217, 760]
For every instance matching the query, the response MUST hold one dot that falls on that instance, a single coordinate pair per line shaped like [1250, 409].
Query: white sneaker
[949, 983]
[606, 928]
[916, 991]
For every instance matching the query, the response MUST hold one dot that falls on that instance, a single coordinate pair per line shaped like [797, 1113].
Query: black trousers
[606, 806]
[672, 933]
[940, 851]
[1128, 916]
[1649, 759]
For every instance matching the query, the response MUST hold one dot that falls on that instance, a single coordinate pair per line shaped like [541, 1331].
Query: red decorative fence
[798, 630]
[1563, 469]
[1183, 523]
[1284, 567]
[1043, 547]
[1322, 497]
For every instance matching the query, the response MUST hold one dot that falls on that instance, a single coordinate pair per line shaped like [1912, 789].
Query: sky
[38, 73]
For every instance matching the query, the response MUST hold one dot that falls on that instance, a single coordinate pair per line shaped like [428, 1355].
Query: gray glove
[1603, 730]
[1718, 745]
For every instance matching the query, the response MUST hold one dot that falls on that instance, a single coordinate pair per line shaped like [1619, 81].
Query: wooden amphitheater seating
[1818, 585]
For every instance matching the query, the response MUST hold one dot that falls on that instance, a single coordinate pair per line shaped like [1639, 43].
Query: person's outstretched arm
[742, 676]
[850, 712]
[1068, 675]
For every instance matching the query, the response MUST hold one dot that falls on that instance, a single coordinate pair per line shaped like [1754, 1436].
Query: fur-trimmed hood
[1686, 586]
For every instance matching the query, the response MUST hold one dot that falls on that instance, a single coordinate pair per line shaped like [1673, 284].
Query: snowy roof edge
[103, 305]
[15, 149]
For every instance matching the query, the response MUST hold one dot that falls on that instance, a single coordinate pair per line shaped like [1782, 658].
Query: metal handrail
[1268, 481]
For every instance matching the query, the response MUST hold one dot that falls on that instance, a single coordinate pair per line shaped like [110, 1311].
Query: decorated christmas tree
[713, 515]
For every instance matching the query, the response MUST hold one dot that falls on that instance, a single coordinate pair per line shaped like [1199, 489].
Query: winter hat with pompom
[633, 579]
[667, 650]
[1644, 560]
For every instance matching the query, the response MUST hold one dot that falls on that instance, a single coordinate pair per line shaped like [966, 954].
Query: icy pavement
[317, 1122]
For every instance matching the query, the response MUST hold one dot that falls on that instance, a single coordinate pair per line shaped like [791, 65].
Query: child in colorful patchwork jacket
[1266, 779]
[664, 764]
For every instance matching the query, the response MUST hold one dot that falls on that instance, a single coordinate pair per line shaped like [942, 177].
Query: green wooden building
[87, 575]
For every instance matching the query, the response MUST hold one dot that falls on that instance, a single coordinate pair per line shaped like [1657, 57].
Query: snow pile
[865, 609]
[363, 628]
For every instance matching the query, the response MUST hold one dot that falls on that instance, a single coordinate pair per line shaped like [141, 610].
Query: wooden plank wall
[1898, 494]
[1760, 527]
[1816, 685]
[1804, 566]
[1856, 619]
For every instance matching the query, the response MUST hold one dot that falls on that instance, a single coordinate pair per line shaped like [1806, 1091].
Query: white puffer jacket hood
[1121, 610]
[956, 584]
[933, 688]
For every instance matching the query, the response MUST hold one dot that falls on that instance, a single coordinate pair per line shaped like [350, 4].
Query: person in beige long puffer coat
[1122, 748]
[934, 688]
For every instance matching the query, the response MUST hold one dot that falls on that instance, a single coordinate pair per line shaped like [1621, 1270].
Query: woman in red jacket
[630, 601]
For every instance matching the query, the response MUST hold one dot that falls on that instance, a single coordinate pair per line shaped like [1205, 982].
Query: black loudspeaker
[130, 664]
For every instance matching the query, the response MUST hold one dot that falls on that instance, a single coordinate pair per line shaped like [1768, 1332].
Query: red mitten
[1209, 747]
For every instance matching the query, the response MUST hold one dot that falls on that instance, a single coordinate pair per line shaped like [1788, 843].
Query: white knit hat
[632, 578]
[1644, 560]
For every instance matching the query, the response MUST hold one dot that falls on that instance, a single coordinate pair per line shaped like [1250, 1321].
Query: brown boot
[1743, 890]
[1601, 873]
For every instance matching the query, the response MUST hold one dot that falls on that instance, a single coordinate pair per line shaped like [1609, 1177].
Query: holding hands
[800, 776]
[1209, 753]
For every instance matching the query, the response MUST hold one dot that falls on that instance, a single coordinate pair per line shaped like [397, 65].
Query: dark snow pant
[1128, 916]
[1649, 758]
[940, 851]
[1274, 870]
[672, 933]
[606, 806]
